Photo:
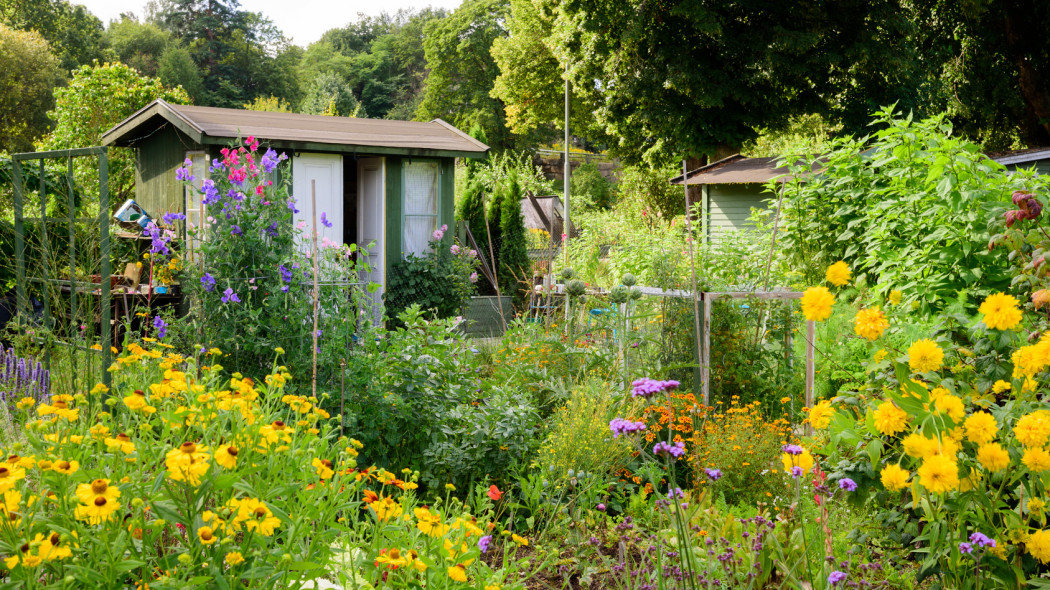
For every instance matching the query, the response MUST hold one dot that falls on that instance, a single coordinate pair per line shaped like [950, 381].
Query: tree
[462, 70]
[74, 34]
[28, 72]
[271, 104]
[695, 79]
[330, 96]
[177, 69]
[96, 99]
[514, 265]
[140, 45]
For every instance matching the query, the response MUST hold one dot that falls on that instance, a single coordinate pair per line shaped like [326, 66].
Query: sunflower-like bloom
[226, 455]
[1028, 360]
[889, 419]
[993, 457]
[87, 492]
[870, 323]
[894, 477]
[458, 573]
[918, 446]
[817, 303]
[1038, 545]
[1033, 430]
[98, 511]
[187, 463]
[939, 474]
[924, 356]
[1036, 460]
[950, 406]
[324, 468]
[981, 428]
[838, 274]
[1001, 312]
[821, 414]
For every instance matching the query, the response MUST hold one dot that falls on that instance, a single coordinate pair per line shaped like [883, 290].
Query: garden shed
[729, 189]
[381, 182]
[1037, 157]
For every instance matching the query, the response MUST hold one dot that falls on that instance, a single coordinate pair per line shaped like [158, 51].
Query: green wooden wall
[156, 189]
[729, 206]
[393, 211]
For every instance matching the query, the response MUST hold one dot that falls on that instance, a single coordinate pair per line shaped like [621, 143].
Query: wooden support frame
[709, 298]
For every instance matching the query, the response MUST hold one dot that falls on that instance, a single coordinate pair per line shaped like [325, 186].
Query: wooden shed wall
[156, 189]
[729, 206]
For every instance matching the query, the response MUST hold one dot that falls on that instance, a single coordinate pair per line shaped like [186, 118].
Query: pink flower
[454, 249]
[259, 190]
[473, 277]
[438, 234]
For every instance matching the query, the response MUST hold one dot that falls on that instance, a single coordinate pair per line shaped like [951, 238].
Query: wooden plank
[705, 351]
[811, 335]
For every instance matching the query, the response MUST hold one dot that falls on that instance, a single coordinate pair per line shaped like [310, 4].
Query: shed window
[420, 206]
[195, 209]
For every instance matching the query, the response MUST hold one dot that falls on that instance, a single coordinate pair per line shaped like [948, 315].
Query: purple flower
[982, 540]
[158, 243]
[847, 484]
[183, 173]
[483, 543]
[792, 449]
[235, 230]
[647, 388]
[170, 218]
[324, 220]
[965, 548]
[272, 230]
[600, 507]
[211, 194]
[676, 450]
[270, 160]
[208, 282]
[235, 195]
[836, 577]
[162, 328]
[713, 474]
[228, 295]
[291, 205]
[217, 165]
[675, 493]
[620, 426]
[796, 472]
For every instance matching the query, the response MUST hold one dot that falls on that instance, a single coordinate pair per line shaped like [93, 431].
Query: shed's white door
[326, 170]
[371, 195]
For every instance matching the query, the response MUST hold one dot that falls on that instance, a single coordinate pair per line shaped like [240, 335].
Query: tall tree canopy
[28, 72]
[463, 71]
[139, 45]
[74, 34]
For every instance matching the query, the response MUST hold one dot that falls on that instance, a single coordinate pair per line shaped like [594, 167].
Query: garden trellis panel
[71, 221]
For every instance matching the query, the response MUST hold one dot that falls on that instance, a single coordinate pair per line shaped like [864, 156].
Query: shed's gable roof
[737, 169]
[212, 125]
[1018, 157]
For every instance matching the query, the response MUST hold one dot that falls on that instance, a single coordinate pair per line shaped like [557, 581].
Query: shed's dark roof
[216, 125]
[737, 169]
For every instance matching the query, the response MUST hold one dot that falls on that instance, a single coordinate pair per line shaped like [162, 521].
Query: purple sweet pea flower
[208, 282]
[236, 230]
[211, 194]
[324, 220]
[291, 205]
[228, 295]
[170, 218]
[162, 328]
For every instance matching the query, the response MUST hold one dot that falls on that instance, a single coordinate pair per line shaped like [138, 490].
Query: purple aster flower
[324, 220]
[235, 230]
[792, 449]
[836, 577]
[676, 450]
[647, 388]
[162, 328]
[713, 474]
[483, 543]
[208, 282]
[847, 484]
[228, 295]
[982, 540]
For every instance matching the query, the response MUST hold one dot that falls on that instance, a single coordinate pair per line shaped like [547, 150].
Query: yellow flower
[879, 355]
[525, 542]
[981, 428]
[256, 516]
[1036, 506]
[838, 274]
[458, 573]
[51, 547]
[1038, 545]
[889, 419]
[206, 535]
[1036, 460]
[87, 492]
[66, 467]
[870, 323]
[187, 463]
[1001, 386]
[821, 414]
[894, 478]
[1001, 312]
[939, 474]
[137, 400]
[925, 356]
[234, 558]
[25, 403]
[324, 468]
[226, 455]
[918, 446]
[1033, 430]
[99, 387]
[429, 523]
[817, 303]
[450, 487]
[1027, 361]
[952, 406]
[98, 510]
[122, 442]
[386, 508]
[895, 297]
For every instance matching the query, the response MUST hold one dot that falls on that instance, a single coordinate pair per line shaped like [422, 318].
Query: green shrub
[578, 436]
[589, 189]
[514, 265]
[439, 282]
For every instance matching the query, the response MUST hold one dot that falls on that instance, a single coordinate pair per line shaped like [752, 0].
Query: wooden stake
[316, 294]
[696, 292]
[705, 351]
[811, 335]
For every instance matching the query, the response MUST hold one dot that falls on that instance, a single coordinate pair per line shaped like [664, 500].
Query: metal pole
[47, 262]
[20, 245]
[103, 219]
[313, 212]
[73, 286]
[568, 172]
[696, 292]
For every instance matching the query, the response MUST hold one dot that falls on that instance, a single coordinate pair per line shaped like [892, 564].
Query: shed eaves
[223, 123]
[737, 170]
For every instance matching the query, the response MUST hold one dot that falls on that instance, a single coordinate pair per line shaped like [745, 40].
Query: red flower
[494, 493]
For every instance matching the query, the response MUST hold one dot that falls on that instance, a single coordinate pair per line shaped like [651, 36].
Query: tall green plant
[513, 255]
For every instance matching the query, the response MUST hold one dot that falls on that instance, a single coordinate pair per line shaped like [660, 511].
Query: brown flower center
[278, 425]
[260, 512]
[232, 451]
[99, 486]
[100, 501]
[64, 465]
[188, 448]
[123, 437]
